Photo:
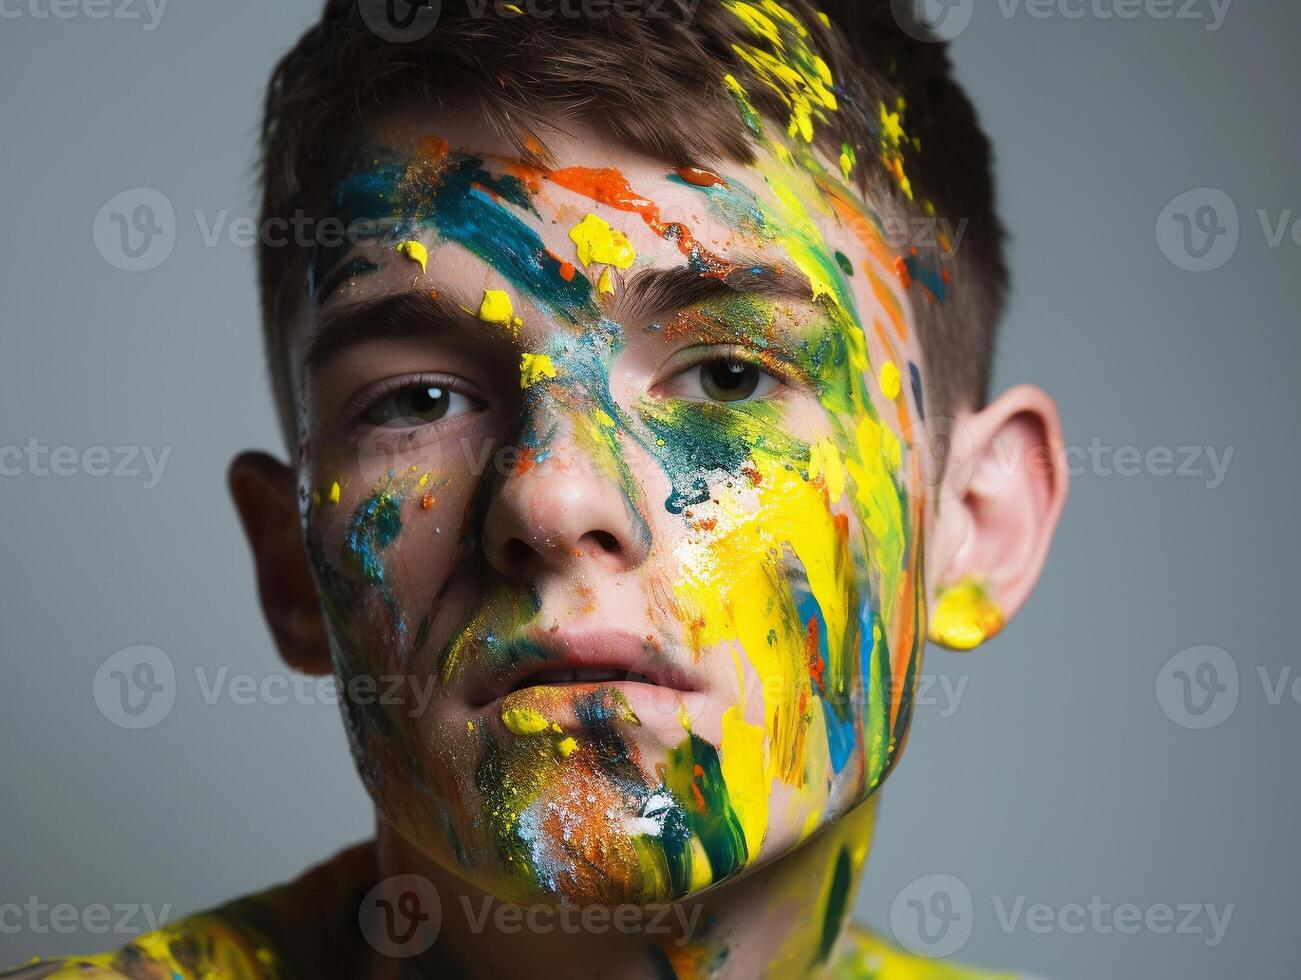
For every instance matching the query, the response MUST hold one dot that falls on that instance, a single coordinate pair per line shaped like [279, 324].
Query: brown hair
[651, 71]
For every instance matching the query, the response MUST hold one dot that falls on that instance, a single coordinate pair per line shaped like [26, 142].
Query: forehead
[771, 213]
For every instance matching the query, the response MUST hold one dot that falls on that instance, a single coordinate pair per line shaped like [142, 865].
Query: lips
[582, 675]
[570, 658]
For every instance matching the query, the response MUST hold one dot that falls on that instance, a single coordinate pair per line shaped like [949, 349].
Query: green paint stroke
[695, 779]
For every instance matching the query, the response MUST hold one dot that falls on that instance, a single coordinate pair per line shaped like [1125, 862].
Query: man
[636, 371]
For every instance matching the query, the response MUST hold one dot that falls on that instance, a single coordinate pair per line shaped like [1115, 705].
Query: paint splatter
[965, 616]
[597, 241]
[416, 252]
[535, 368]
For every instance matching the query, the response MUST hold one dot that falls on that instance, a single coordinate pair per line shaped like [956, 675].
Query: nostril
[517, 552]
[605, 540]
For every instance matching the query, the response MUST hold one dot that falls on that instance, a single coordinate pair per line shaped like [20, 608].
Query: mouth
[565, 676]
[574, 659]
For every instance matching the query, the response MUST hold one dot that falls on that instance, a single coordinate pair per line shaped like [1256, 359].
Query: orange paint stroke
[611, 188]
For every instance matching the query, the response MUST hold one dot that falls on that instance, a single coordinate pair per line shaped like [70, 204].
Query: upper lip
[592, 656]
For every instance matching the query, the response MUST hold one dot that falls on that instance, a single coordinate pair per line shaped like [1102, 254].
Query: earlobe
[264, 493]
[1003, 493]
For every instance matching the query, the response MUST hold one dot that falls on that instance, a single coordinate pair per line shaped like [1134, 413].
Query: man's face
[608, 487]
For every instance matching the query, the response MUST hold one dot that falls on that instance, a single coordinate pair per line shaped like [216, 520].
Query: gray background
[1059, 777]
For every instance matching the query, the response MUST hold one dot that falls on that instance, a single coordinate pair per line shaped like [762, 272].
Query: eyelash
[369, 399]
[365, 402]
[773, 365]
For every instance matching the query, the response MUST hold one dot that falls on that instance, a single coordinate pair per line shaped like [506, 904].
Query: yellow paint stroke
[892, 138]
[605, 285]
[890, 380]
[416, 252]
[848, 160]
[737, 590]
[743, 773]
[598, 241]
[524, 721]
[965, 616]
[787, 63]
[743, 104]
[804, 242]
[496, 308]
[566, 747]
[534, 368]
[335, 492]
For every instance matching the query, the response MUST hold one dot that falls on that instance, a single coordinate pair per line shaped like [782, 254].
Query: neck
[783, 919]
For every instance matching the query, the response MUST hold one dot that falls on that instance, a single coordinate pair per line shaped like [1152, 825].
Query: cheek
[382, 541]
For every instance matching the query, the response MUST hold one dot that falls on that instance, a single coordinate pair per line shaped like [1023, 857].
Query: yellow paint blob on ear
[334, 492]
[534, 368]
[597, 241]
[890, 380]
[965, 616]
[566, 747]
[469, 726]
[416, 252]
[496, 308]
[524, 721]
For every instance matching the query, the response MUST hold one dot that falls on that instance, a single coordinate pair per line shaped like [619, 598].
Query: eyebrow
[646, 296]
[400, 315]
[653, 293]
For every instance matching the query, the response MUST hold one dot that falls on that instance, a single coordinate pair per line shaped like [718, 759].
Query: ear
[1003, 490]
[265, 495]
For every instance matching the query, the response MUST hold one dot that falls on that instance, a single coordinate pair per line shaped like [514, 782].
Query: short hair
[657, 83]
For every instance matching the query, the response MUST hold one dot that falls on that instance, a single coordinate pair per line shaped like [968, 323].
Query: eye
[419, 404]
[725, 379]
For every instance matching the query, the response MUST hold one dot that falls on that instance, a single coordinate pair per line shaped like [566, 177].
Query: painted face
[608, 489]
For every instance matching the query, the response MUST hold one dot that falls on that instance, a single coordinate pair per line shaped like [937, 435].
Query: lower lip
[655, 707]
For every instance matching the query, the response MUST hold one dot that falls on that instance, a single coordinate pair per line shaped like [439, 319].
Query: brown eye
[429, 404]
[418, 404]
[729, 380]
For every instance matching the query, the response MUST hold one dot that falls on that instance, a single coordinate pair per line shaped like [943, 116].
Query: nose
[562, 513]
